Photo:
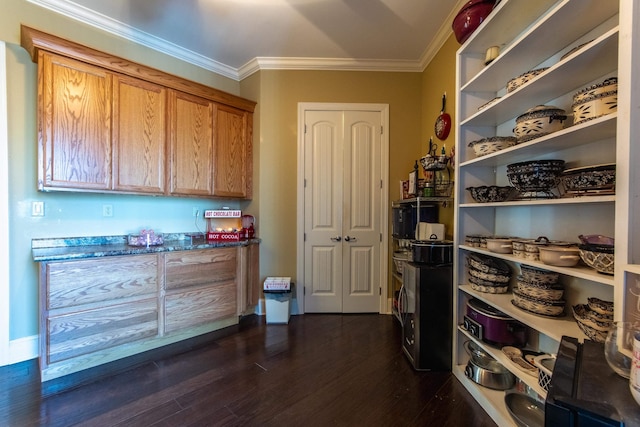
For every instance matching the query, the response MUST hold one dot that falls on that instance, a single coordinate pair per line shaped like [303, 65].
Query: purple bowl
[596, 239]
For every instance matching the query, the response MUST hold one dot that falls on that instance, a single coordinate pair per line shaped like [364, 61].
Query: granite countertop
[69, 248]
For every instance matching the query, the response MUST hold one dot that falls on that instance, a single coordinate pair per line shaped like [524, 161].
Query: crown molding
[129, 33]
[327, 64]
[444, 32]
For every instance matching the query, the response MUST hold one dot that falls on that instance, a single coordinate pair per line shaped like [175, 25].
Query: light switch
[37, 208]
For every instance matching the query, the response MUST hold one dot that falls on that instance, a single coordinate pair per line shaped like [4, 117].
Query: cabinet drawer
[85, 332]
[199, 306]
[195, 268]
[73, 283]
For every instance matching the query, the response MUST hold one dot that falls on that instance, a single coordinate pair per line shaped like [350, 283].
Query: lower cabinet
[200, 286]
[97, 310]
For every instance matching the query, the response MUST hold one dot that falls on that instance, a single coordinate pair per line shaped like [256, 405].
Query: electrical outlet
[107, 210]
[196, 212]
[37, 208]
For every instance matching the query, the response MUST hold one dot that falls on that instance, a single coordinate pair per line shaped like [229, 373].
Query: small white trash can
[278, 305]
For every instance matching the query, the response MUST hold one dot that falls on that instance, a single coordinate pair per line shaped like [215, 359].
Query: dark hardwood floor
[319, 370]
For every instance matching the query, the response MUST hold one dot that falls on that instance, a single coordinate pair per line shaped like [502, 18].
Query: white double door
[343, 154]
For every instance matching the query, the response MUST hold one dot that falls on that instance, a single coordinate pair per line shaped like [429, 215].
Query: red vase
[470, 17]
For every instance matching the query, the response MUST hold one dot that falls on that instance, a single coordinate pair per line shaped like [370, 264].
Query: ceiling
[238, 37]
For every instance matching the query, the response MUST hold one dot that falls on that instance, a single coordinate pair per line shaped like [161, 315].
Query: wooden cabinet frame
[225, 135]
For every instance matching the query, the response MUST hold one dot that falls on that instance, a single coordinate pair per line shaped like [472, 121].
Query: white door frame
[5, 357]
[384, 211]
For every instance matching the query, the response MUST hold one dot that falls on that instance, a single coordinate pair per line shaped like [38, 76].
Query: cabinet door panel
[75, 129]
[195, 268]
[139, 135]
[200, 305]
[72, 283]
[231, 154]
[191, 124]
[88, 331]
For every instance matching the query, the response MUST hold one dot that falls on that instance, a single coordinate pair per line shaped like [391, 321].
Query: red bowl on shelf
[470, 17]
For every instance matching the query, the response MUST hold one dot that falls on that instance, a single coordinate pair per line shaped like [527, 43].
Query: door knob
[337, 238]
[349, 239]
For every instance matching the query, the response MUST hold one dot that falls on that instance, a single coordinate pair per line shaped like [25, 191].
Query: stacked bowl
[595, 318]
[598, 253]
[536, 175]
[538, 291]
[487, 274]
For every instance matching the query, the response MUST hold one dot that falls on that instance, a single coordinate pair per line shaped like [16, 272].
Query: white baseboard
[21, 349]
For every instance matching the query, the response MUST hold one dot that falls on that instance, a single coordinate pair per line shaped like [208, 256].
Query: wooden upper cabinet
[110, 125]
[75, 124]
[191, 142]
[232, 153]
[139, 135]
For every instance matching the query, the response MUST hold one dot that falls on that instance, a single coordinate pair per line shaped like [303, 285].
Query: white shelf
[580, 272]
[497, 354]
[583, 133]
[491, 400]
[533, 35]
[553, 327]
[542, 202]
[569, 75]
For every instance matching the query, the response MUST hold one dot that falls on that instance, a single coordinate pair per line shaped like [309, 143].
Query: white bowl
[539, 121]
[559, 256]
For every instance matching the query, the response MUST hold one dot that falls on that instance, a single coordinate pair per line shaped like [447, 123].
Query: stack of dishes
[538, 292]
[595, 318]
[487, 274]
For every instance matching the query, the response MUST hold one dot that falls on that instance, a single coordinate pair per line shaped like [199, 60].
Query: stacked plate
[538, 291]
[594, 318]
[487, 274]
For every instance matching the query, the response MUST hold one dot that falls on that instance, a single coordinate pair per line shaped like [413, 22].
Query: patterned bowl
[598, 257]
[600, 322]
[538, 121]
[516, 82]
[490, 145]
[487, 286]
[600, 306]
[492, 193]
[488, 264]
[538, 306]
[590, 179]
[536, 175]
[595, 101]
[544, 291]
[539, 275]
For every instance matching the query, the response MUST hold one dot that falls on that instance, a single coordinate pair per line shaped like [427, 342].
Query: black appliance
[584, 391]
[405, 218]
[426, 303]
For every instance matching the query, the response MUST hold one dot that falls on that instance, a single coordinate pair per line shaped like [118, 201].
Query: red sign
[223, 236]
[224, 213]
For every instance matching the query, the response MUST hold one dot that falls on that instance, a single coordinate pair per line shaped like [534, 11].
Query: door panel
[323, 205]
[362, 223]
[342, 219]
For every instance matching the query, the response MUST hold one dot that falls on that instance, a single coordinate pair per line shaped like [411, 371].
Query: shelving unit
[577, 53]
[402, 242]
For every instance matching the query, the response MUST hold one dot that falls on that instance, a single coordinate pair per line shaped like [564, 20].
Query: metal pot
[433, 252]
[486, 371]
